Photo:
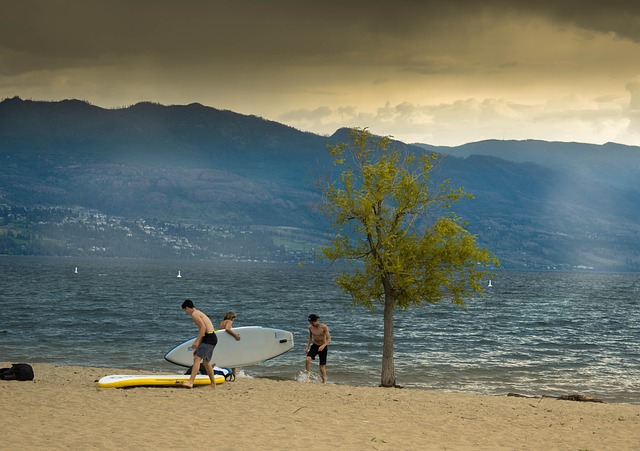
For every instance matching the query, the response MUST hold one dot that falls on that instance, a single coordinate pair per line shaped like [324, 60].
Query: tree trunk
[388, 377]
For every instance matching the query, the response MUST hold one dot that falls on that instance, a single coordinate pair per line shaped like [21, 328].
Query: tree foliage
[405, 245]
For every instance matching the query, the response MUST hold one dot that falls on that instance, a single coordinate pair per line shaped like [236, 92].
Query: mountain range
[537, 204]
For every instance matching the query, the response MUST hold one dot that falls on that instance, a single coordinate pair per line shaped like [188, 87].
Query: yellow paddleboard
[154, 380]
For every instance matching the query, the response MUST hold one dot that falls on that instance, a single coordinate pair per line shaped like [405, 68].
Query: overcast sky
[442, 73]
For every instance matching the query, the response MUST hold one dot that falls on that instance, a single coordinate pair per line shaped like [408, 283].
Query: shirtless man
[319, 334]
[204, 344]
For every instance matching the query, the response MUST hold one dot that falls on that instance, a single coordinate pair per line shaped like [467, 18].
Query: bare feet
[187, 385]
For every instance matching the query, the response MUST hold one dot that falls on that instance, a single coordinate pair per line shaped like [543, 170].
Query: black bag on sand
[17, 372]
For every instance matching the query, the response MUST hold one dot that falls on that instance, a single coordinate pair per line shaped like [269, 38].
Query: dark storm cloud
[461, 70]
[617, 16]
[56, 33]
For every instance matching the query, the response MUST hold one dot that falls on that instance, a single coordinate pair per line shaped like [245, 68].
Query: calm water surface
[534, 333]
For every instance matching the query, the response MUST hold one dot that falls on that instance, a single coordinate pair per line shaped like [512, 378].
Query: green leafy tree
[404, 244]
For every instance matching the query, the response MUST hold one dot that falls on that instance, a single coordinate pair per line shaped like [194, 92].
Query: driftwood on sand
[572, 397]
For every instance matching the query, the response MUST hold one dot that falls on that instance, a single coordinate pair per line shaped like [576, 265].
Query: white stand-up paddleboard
[256, 345]
[153, 380]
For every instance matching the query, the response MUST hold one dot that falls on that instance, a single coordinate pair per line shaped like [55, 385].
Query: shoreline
[64, 408]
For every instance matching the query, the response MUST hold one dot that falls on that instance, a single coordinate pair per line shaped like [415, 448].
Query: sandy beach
[63, 408]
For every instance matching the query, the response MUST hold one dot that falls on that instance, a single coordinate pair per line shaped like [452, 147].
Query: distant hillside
[537, 204]
[613, 164]
[188, 162]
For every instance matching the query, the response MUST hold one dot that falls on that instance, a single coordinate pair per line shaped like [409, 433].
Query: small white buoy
[489, 283]
[179, 274]
[75, 271]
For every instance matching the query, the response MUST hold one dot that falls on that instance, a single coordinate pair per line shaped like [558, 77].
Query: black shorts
[207, 345]
[313, 352]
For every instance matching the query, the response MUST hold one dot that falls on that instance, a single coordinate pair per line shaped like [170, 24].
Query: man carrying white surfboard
[227, 324]
[319, 334]
[204, 344]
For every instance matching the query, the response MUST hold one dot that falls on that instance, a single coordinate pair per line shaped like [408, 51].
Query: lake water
[534, 333]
